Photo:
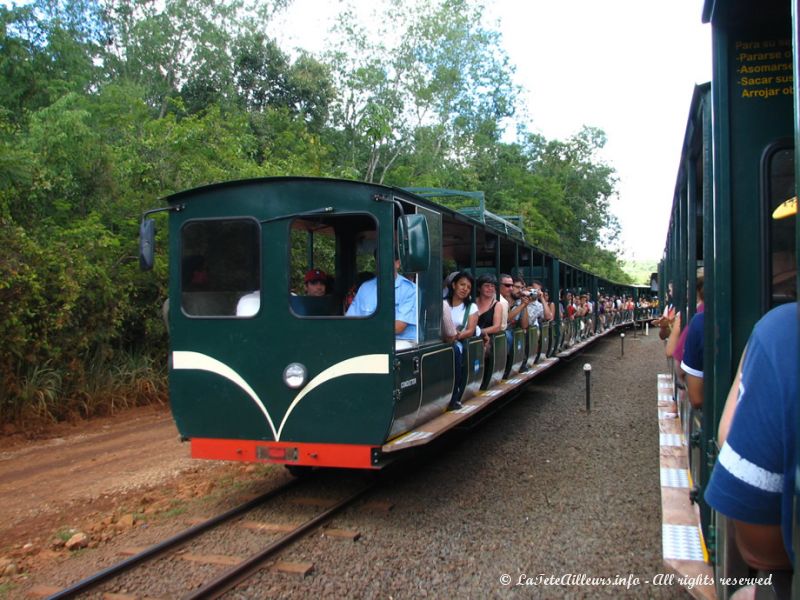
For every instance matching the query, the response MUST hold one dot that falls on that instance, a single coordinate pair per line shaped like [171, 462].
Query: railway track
[219, 583]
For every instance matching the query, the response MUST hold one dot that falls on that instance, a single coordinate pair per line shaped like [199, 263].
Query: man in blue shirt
[753, 479]
[405, 304]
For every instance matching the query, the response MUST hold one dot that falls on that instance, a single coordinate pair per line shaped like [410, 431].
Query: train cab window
[330, 257]
[220, 268]
[782, 258]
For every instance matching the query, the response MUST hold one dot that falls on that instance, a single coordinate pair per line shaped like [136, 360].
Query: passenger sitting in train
[489, 309]
[589, 312]
[517, 314]
[549, 306]
[664, 322]
[316, 282]
[248, 305]
[569, 306]
[536, 308]
[601, 312]
[446, 283]
[511, 292]
[464, 316]
[519, 311]
[351, 293]
[691, 363]
[753, 480]
[506, 283]
[677, 340]
[405, 306]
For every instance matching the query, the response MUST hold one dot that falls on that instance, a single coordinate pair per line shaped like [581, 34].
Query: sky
[628, 67]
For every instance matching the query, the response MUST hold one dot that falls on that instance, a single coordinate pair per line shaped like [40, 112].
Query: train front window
[782, 266]
[220, 268]
[330, 257]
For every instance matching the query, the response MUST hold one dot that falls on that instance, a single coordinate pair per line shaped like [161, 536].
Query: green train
[737, 167]
[262, 370]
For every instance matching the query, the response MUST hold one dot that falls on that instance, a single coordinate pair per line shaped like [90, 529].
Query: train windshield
[220, 268]
[330, 258]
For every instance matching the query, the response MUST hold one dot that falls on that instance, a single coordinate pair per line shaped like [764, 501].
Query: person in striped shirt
[754, 477]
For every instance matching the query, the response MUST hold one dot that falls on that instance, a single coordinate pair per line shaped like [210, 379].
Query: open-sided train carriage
[261, 372]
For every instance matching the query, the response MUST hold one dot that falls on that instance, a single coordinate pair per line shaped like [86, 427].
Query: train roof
[501, 225]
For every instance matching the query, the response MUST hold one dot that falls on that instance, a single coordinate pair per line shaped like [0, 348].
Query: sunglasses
[315, 281]
[507, 284]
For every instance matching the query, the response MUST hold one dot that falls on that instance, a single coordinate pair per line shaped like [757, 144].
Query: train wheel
[299, 470]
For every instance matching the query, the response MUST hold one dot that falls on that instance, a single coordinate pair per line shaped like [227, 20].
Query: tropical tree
[444, 72]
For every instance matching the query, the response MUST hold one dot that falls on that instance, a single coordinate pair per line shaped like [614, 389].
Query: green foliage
[105, 107]
[640, 270]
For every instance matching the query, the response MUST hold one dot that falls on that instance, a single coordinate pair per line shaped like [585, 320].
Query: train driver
[405, 306]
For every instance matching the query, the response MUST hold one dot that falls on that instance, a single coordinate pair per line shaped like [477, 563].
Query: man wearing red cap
[316, 282]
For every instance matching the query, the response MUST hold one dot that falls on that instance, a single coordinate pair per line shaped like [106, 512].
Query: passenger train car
[737, 166]
[259, 371]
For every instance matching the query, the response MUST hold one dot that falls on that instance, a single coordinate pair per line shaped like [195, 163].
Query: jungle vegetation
[108, 105]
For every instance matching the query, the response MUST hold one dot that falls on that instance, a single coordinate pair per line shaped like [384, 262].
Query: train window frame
[337, 294]
[766, 202]
[255, 270]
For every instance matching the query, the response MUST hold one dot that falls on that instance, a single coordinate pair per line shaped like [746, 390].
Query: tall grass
[36, 397]
[133, 380]
[99, 387]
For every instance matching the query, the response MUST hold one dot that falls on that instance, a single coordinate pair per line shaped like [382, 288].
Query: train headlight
[294, 375]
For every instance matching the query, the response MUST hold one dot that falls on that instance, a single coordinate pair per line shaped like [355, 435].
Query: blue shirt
[753, 479]
[692, 362]
[405, 304]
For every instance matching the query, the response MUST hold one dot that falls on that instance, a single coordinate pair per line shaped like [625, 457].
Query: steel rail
[168, 544]
[227, 580]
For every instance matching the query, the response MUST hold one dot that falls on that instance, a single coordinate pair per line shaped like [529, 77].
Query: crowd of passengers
[516, 305]
[479, 308]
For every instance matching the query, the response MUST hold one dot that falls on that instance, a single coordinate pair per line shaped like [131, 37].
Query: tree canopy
[106, 105]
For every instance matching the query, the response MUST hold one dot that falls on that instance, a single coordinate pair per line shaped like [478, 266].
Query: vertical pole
[587, 369]
[622, 344]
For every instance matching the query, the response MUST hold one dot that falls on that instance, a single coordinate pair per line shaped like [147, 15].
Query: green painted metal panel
[495, 361]
[474, 364]
[518, 349]
[533, 344]
[436, 377]
[247, 356]
[544, 341]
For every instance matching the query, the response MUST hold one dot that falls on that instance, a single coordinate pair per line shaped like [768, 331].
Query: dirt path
[86, 477]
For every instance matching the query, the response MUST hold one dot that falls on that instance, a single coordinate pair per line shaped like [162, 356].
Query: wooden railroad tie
[271, 527]
[315, 502]
[295, 568]
[213, 559]
[378, 506]
[342, 534]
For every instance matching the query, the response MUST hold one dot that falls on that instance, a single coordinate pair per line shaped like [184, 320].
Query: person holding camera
[536, 309]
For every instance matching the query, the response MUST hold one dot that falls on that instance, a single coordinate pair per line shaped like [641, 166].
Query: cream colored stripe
[202, 362]
[368, 364]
